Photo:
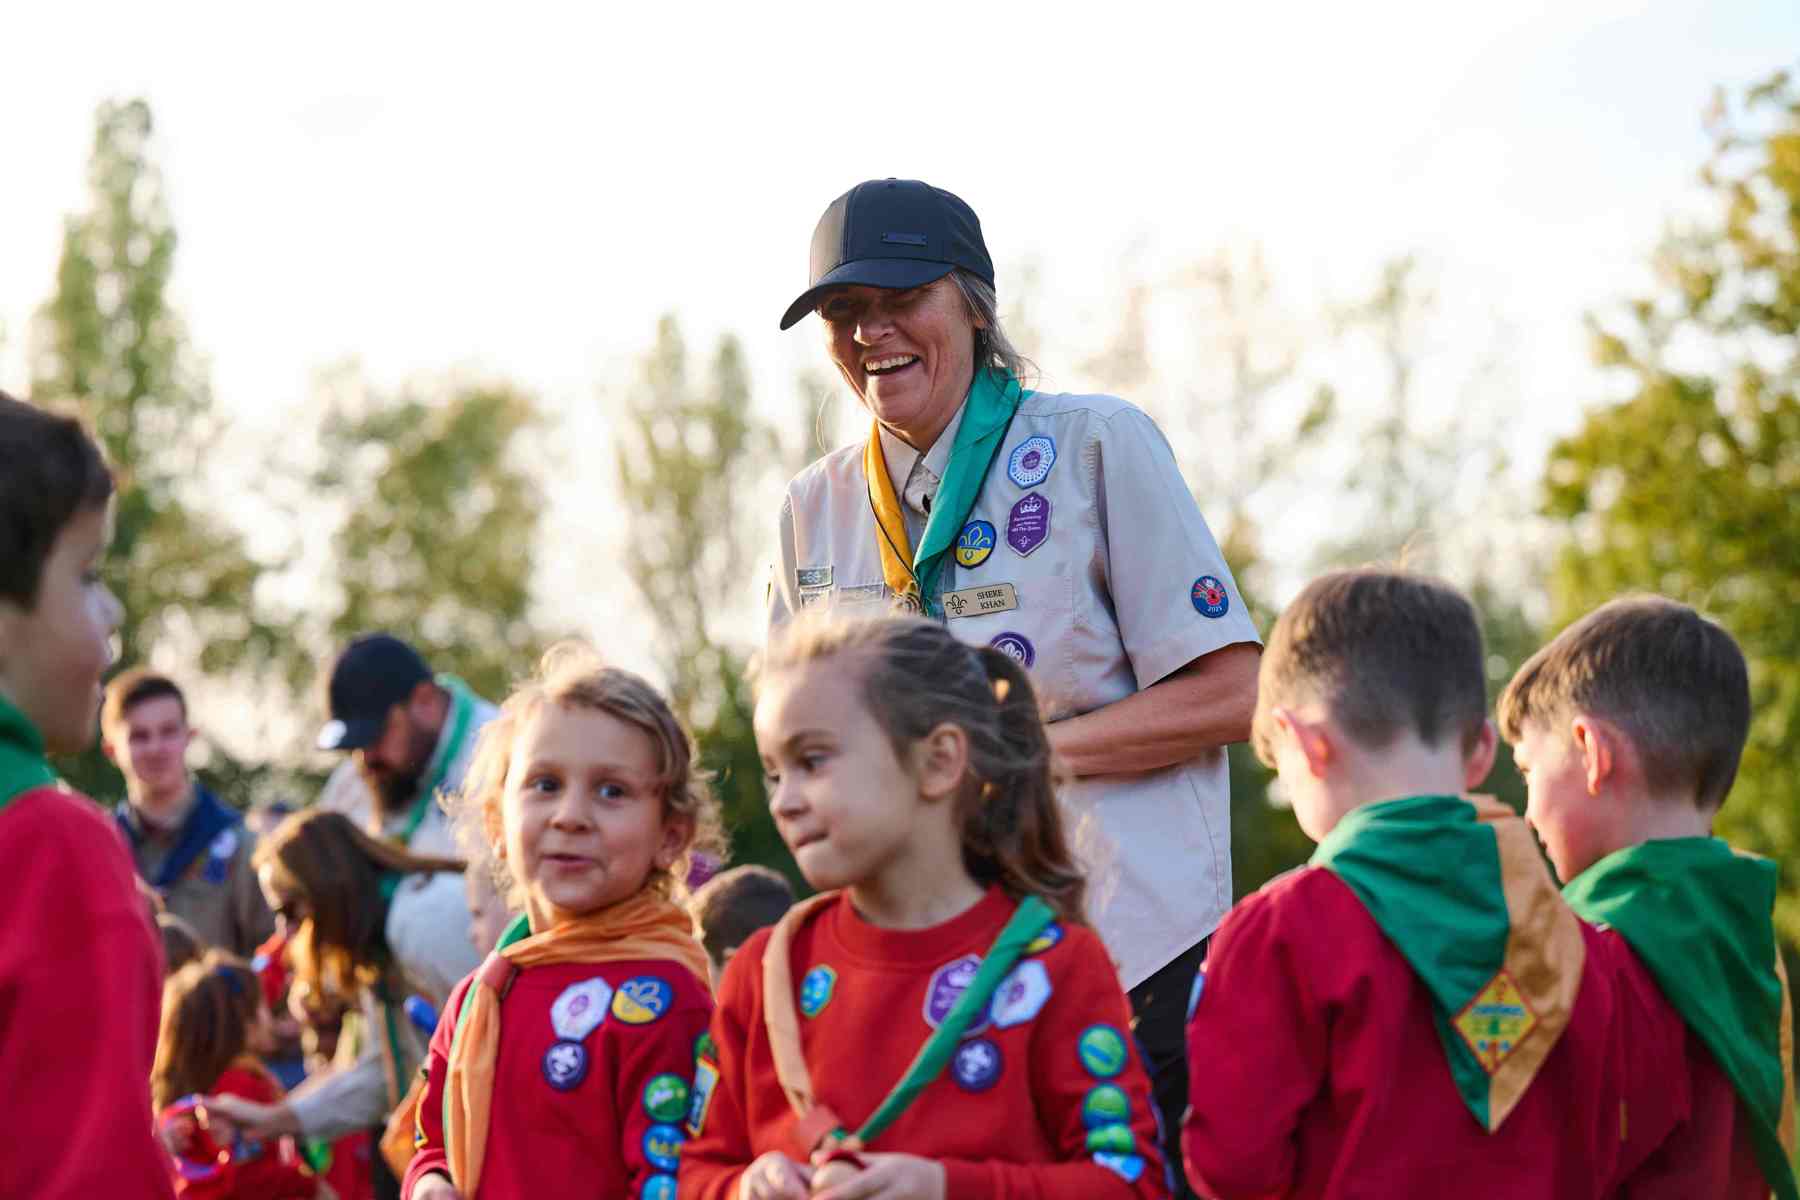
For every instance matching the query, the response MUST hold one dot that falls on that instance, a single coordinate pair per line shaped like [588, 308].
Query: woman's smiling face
[910, 354]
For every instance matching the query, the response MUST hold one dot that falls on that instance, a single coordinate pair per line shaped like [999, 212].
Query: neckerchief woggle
[1700, 916]
[1457, 885]
[816, 1121]
[449, 749]
[987, 413]
[23, 765]
[205, 821]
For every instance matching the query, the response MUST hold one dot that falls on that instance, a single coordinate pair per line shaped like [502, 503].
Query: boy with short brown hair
[1415, 1012]
[1628, 728]
[734, 904]
[80, 969]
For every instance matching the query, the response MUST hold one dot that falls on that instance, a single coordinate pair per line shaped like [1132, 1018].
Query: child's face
[844, 802]
[1569, 821]
[582, 813]
[52, 656]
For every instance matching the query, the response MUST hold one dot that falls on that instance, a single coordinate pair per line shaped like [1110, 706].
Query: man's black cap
[892, 233]
[375, 672]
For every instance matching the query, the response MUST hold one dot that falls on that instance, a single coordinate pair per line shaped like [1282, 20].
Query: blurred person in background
[409, 734]
[188, 845]
[368, 921]
[734, 904]
[1057, 529]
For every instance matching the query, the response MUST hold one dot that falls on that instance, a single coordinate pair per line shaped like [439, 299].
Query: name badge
[979, 601]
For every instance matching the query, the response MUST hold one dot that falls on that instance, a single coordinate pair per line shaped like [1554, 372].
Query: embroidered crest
[1209, 597]
[580, 1008]
[1031, 461]
[947, 985]
[666, 1098]
[1021, 995]
[1495, 1021]
[975, 543]
[642, 1000]
[1028, 524]
[658, 1187]
[816, 988]
[565, 1065]
[1111, 1139]
[1017, 645]
[1106, 1104]
[977, 1065]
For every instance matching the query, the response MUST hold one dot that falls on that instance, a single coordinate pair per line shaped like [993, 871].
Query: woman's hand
[435, 1186]
[266, 1120]
[890, 1177]
[773, 1176]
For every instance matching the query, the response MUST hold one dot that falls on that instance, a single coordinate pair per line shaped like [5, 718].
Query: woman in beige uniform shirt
[1057, 528]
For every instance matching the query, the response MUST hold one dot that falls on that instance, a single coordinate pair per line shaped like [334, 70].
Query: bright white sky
[522, 189]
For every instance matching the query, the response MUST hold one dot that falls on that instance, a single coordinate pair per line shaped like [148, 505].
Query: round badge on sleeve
[666, 1098]
[1209, 597]
[1017, 646]
[662, 1147]
[659, 1187]
[1107, 1104]
[1102, 1051]
[565, 1064]
[641, 1000]
[975, 543]
[816, 988]
[977, 1065]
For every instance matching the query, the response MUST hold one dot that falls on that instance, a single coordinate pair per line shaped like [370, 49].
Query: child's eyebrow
[795, 739]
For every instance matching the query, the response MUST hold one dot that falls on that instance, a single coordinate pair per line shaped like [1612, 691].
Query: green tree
[1690, 485]
[440, 526]
[691, 454]
[108, 347]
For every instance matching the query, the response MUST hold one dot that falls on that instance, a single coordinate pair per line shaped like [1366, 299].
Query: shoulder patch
[1021, 995]
[642, 999]
[580, 1008]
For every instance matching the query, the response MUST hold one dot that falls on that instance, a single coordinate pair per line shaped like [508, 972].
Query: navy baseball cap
[375, 672]
[892, 233]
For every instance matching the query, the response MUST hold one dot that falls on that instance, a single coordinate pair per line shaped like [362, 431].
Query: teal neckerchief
[23, 765]
[987, 414]
[1700, 916]
[449, 749]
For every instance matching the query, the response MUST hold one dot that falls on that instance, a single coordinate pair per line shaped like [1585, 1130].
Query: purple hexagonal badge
[1028, 525]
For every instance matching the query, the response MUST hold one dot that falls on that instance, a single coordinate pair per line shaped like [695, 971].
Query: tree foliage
[1690, 485]
[109, 348]
[440, 527]
[691, 453]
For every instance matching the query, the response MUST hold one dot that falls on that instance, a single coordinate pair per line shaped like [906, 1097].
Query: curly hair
[572, 676]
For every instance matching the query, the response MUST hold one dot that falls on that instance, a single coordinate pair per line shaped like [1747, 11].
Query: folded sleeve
[719, 1148]
[429, 1153]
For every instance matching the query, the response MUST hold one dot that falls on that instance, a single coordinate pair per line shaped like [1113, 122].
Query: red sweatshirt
[599, 1118]
[1317, 1071]
[1046, 1100]
[1711, 1154]
[80, 985]
[265, 1170]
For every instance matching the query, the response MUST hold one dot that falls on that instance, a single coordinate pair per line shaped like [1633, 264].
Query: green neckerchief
[1701, 917]
[1025, 924]
[449, 748]
[987, 414]
[23, 765]
[1428, 871]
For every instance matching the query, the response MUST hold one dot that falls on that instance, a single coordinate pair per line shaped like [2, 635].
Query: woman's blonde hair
[208, 1007]
[337, 869]
[572, 676]
[915, 676]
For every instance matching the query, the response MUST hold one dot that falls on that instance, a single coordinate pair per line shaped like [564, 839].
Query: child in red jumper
[80, 968]
[1416, 1012]
[561, 1067]
[215, 1023]
[911, 775]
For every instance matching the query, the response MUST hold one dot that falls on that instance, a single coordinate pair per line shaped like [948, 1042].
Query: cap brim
[866, 272]
[349, 735]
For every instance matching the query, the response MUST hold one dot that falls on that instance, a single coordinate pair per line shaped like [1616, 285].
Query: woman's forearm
[1206, 704]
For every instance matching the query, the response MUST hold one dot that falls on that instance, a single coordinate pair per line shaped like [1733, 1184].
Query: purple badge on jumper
[1017, 645]
[1028, 525]
[947, 985]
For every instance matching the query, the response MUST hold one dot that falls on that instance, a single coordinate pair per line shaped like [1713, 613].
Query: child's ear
[678, 832]
[1479, 759]
[1595, 742]
[941, 761]
[1311, 737]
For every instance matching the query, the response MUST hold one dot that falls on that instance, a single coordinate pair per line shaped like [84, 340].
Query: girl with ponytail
[940, 1020]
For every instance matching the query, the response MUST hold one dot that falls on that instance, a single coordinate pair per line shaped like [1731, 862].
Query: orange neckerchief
[647, 926]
